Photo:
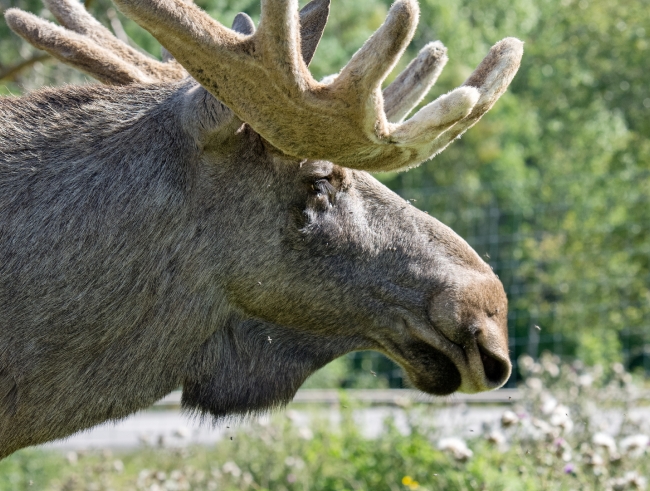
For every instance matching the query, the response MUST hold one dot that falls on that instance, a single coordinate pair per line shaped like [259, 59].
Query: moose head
[209, 221]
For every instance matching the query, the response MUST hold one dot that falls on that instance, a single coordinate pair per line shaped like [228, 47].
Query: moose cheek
[432, 371]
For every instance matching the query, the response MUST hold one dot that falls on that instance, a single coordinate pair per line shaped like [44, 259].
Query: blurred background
[552, 187]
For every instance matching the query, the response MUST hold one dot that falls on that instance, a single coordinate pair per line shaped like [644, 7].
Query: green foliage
[553, 184]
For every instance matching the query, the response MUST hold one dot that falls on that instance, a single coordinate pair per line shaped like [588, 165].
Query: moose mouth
[430, 370]
[436, 365]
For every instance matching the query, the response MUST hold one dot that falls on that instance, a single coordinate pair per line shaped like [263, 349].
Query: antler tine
[89, 46]
[410, 86]
[73, 49]
[72, 15]
[369, 66]
[278, 35]
[491, 78]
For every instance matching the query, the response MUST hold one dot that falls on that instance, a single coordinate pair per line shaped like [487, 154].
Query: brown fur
[150, 239]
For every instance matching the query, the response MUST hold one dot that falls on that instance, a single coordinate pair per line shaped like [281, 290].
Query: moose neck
[251, 366]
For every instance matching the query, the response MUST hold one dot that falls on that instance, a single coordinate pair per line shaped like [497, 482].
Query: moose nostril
[496, 370]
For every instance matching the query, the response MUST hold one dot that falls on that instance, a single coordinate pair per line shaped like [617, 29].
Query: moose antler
[400, 97]
[265, 81]
[88, 46]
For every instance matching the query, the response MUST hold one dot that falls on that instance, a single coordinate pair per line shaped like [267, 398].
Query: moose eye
[324, 187]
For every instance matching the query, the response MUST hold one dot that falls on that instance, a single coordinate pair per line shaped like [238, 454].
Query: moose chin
[209, 221]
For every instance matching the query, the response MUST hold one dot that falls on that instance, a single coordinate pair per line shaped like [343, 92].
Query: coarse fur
[151, 238]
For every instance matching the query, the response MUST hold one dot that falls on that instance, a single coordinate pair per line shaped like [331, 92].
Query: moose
[209, 220]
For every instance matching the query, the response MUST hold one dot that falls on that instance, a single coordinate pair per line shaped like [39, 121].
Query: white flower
[456, 447]
[231, 468]
[635, 445]
[542, 425]
[551, 368]
[296, 462]
[496, 437]
[631, 480]
[550, 403]
[118, 466]
[509, 418]
[526, 362]
[636, 481]
[596, 460]
[305, 433]
[585, 380]
[605, 441]
[534, 384]
[561, 418]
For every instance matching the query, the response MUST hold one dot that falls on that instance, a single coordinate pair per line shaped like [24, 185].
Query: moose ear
[313, 18]
[243, 24]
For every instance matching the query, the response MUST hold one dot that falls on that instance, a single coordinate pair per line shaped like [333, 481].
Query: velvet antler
[263, 77]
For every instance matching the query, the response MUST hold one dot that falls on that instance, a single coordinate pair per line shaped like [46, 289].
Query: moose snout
[473, 323]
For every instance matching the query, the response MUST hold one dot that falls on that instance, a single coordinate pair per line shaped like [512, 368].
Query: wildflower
[562, 449]
[496, 437]
[549, 405]
[543, 426]
[636, 481]
[456, 447]
[231, 468]
[118, 466]
[526, 362]
[585, 380]
[560, 418]
[305, 433]
[605, 441]
[508, 418]
[410, 482]
[534, 383]
[594, 460]
[635, 445]
[296, 462]
[551, 368]
[569, 468]
[631, 480]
